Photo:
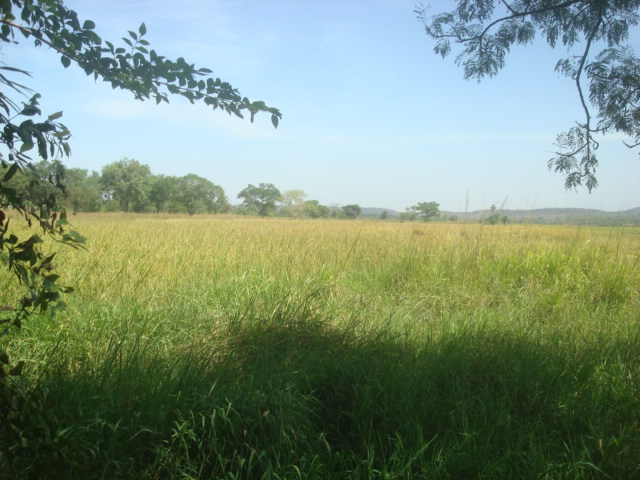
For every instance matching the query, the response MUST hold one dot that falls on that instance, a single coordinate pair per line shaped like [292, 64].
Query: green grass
[222, 347]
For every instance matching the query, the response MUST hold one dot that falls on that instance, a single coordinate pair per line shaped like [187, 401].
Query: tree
[292, 203]
[351, 211]
[409, 215]
[135, 67]
[261, 199]
[33, 184]
[199, 195]
[427, 210]
[487, 29]
[128, 182]
[496, 217]
[313, 209]
[83, 189]
[163, 192]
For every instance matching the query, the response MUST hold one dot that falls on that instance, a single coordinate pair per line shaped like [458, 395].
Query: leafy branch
[471, 25]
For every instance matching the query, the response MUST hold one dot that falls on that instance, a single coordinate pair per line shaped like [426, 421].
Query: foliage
[408, 215]
[313, 209]
[163, 190]
[261, 199]
[427, 210]
[293, 203]
[128, 182]
[351, 211]
[83, 190]
[496, 217]
[488, 29]
[199, 195]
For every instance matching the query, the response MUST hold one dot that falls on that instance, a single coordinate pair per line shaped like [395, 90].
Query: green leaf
[30, 110]
[88, 25]
[26, 146]
[10, 173]
[66, 61]
[274, 120]
[142, 29]
[55, 116]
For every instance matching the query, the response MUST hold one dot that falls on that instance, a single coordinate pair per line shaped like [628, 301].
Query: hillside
[577, 216]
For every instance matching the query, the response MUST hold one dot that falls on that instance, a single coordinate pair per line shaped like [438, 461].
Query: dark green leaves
[136, 67]
[10, 173]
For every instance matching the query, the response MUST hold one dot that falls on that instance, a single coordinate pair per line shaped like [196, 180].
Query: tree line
[130, 186]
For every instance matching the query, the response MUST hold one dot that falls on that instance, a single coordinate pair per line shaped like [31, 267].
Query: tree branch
[583, 60]
[515, 14]
[28, 31]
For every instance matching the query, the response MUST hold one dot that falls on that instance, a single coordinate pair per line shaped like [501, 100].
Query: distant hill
[571, 216]
[376, 212]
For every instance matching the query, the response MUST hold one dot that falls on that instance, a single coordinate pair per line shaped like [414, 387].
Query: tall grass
[222, 347]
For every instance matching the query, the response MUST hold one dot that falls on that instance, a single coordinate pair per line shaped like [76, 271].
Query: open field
[235, 347]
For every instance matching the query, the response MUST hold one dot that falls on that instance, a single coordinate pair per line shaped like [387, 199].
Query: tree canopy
[607, 81]
[261, 199]
[128, 182]
[352, 211]
[427, 210]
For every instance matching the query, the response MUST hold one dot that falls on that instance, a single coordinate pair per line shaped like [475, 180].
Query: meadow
[247, 348]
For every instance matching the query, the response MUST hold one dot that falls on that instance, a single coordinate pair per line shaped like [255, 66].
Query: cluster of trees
[496, 217]
[130, 186]
[126, 185]
[422, 210]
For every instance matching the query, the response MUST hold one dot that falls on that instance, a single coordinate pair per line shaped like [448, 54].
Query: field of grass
[247, 348]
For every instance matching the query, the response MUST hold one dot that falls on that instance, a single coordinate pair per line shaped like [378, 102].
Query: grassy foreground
[213, 347]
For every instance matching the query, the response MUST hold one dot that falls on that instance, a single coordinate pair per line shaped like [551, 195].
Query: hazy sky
[370, 114]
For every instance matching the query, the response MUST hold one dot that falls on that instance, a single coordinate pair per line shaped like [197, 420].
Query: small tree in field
[351, 211]
[262, 199]
[427, 210]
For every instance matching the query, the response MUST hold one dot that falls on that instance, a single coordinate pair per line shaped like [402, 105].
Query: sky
[371, 115]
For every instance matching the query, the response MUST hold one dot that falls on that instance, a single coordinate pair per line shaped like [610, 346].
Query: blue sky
[370, 114]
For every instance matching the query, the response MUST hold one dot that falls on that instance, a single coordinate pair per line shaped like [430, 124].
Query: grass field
[222, 347]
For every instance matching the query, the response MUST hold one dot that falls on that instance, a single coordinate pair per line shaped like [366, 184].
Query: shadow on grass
[289, 394]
